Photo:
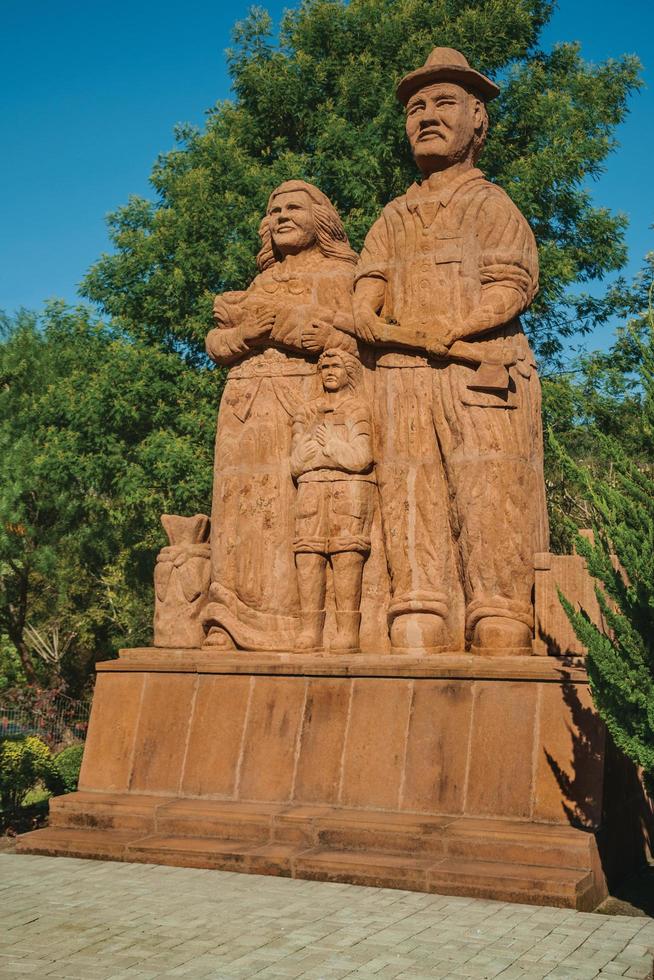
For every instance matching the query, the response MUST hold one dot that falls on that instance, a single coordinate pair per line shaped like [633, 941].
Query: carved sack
[181, 582]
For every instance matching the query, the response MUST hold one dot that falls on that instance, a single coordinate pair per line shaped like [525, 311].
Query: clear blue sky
[91, 92]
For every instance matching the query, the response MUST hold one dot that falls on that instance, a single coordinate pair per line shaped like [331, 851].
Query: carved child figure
[332, 463]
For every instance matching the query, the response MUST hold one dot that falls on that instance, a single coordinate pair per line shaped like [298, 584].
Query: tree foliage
[317, 102]
[601, 395]
[618, 488]
[99, 435]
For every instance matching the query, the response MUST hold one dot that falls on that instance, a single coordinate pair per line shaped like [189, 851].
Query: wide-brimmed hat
[446, 65]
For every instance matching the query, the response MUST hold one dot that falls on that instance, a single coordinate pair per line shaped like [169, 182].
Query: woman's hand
[258, 326]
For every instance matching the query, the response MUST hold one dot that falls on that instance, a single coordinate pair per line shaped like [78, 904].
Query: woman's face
[291, 222]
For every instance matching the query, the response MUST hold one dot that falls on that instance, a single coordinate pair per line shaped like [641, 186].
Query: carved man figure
[332, 462]
[443, 277]
[270, 335]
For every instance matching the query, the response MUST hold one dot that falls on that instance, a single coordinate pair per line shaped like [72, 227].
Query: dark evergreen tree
[619, 489]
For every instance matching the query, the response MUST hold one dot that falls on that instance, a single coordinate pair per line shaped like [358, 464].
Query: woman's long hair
[330, 233]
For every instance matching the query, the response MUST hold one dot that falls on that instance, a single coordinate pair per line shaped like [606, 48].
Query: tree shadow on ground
[634, 895]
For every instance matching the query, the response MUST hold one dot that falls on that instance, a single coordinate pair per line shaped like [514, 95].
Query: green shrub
[23, 764]
[66, 765]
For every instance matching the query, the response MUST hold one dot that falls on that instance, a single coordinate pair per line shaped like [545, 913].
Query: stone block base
[501, 859]
[451, 774]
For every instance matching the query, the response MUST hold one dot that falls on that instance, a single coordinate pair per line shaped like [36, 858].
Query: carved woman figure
[270, 335]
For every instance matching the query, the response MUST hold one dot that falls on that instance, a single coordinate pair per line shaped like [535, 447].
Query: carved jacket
[455, 253]
[347, 453]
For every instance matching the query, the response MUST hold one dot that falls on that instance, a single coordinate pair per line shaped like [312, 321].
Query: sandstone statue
[269, 335]
[444, 275]
[332, 461]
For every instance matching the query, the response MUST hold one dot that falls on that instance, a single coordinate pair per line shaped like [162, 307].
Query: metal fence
[61, 723]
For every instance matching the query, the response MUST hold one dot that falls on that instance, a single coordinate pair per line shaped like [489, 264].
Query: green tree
[318, 103]
[618, 488]
[99, 435]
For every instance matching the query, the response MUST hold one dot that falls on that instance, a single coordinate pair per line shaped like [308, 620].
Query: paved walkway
[63, 917]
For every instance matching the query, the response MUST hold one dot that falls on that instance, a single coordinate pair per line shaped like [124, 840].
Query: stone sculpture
[449, 774]
[269, 336]
[332, 463]
[181, 582]
[443, 277]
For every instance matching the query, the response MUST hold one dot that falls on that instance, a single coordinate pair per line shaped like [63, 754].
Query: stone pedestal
[453, 774]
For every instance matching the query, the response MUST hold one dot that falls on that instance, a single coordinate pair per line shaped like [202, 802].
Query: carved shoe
[497, 636]
[218, 639]
[347, 635]
[309, 638]
[417, 632]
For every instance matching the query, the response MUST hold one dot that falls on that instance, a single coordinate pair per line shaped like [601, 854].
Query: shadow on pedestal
[625, 829]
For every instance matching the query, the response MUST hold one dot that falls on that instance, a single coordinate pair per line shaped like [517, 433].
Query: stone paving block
[535, 970]
[128, 974]
[565, 972]
[192, 923]
[640, 972]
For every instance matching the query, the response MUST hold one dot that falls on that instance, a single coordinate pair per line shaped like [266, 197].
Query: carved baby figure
[332, 463]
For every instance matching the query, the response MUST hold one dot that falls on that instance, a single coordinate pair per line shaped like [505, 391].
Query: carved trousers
[462, 492]
[332, 516]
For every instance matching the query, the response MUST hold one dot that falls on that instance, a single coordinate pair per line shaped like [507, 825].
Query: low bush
[66, 767]
[24, 763]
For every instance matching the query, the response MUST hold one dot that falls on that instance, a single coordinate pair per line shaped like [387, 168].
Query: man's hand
[258, 325]
[447, 334]
[368, 300]
[315, 335]
[365, 321]
[437, 348]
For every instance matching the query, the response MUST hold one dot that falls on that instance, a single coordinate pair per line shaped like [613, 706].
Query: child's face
[333, 373]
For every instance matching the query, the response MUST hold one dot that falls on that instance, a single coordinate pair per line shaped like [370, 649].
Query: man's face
[291, 222]
[333, 373]
[441, 121]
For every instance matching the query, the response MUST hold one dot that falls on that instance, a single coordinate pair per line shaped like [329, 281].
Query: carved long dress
[253, 594]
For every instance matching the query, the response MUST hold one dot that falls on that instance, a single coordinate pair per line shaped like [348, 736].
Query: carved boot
[418, 632]
[310, 636]
[497, 636]
[347, 632]
[218, 639]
